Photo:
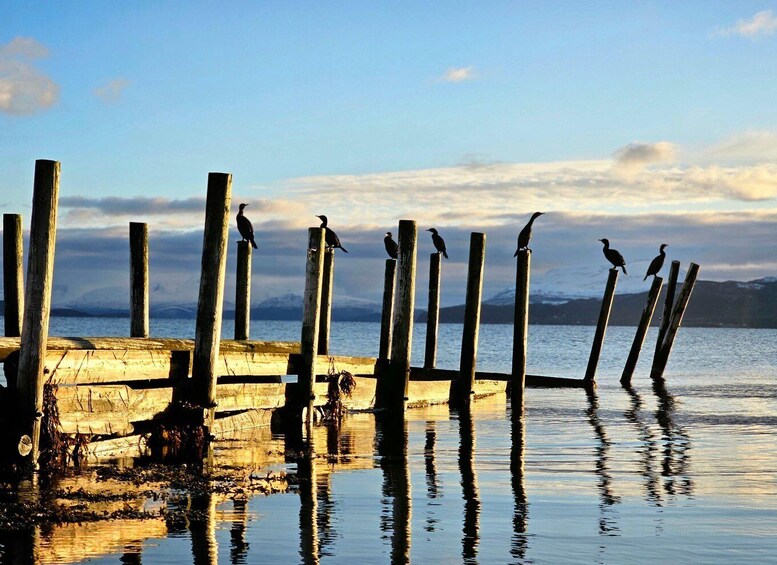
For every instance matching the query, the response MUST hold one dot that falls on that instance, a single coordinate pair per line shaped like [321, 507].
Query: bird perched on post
[614, 256]
[244, 227]
[439, 244]
[657, 263]
[329, 236]
[391, 246]
[525, 235]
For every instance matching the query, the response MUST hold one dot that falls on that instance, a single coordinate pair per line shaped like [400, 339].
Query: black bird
[439, 244]
[525, 235]
[244, 227]
[614, 256]
[657, 263]
[391, 246]
[330, 237]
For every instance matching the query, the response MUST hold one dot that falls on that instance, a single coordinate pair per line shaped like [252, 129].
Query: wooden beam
[433, 311]
[601, 326]
[388, 309]
[138, 238]
[311, 312]
[243, 291]
[13, 264]
[666, 316]
[520, 329]
[327, 282]
[642, 328]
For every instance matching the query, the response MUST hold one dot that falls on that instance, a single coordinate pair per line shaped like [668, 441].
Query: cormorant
[329, 236]
[439, 244]
[391, 246]
[525, 235]
[244, 227]
[614, 256]
[657, 263]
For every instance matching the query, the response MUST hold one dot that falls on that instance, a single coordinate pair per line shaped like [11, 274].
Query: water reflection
[238, 547]
[520, 542]
[648, 449]
[608, 525]
[469, 486]
[302, 450]
[202, 527]
[433, 488]
[677, 445]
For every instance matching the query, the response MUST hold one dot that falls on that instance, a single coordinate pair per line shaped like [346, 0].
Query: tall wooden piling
[243, 290]
[37, 300]
[642, 329]
[327, 282]
[13, 263]
[463, 387]
[388, 309]
[659, 364]
[392, 386]
[210, 305]
[433, 311]
[311, 312]
[138, 238]
[601, 326]
[666, 316]
[520, 331]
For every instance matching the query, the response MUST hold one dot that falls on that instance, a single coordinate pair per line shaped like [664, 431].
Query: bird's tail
[516, 253]
[254, 244]
[344, 249]
[444, 254]
[645, 278]
[624, 269]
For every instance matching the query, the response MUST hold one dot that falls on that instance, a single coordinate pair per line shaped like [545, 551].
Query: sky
[642, 122]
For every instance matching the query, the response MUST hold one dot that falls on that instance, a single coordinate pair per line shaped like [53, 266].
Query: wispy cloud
[763, 23]
[24, 90]
[112, 90]
[459, 74]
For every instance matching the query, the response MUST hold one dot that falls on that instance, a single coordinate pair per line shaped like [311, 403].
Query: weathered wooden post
[211, 301]
[517, 383]
[463, 387]
[433, 311]
[243, 290]
[666, 317]
[659, 363]
[392, 386]
[601, 327]
[642, 329]
[13, 263]
[311, 312]
[138, 236]
[328, 280]
[388, 309]
[37, 300]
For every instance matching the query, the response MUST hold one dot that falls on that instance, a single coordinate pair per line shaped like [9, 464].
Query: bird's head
[605, 241]
[432, 230]
[388, 234]
[323, 219]
[663, 245]
[536, 215]
[243, 205]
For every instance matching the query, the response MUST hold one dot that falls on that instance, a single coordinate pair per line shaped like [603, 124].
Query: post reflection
[675, 463]
[300, 448]
[202, 528]
[607, 520]
[433, 489]
[648, 449]
[469, 486]
[238, 546]
[520, 542]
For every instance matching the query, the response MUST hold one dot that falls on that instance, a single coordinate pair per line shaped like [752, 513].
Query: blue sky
[616, 118]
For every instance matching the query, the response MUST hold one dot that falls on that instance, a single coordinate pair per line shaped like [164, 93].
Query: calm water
[685, 474]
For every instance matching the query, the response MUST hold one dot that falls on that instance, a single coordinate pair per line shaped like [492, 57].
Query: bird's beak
[429, 229]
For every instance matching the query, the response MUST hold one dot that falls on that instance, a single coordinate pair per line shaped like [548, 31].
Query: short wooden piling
[388, 309]
[243, 290]
[210, 305]
[642, 329]
[659, 363]
[326, 301]
[601, 326]
[433, 311]
[520, 331]
[37, 300]
[666, 316]
[311, 313]
[13, 263]
[138, 238]
[463, 387]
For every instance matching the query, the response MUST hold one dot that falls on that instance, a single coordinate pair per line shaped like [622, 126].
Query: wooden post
[463, 387]
[433, 312]
[311, 312]
[520, 330]
[659, 364]
[37, 300]
[644, 324]
[392, 387]
[243, 290]
[674, 273]
[601, 326]
[211, 301]
[13, 263]
[388, 309]
[326, 302]
[138, 236]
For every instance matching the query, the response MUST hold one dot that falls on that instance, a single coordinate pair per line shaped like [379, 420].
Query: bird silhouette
[329, 236]
[244, 227]
[391, 246]
[439, 243]
[657, 263]
[525, 235]
[614, 256]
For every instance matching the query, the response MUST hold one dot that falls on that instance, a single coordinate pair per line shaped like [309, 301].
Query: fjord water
[685, 473]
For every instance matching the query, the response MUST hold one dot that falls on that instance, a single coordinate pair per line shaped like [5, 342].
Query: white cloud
[459, 74]
[112, 90]
[634, 157]
[763, 23]
[24, 90]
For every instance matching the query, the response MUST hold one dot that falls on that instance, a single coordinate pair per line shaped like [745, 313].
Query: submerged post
[520, 330]
[666, 317]
[642, 328]
[243, 290]
[138, 236]
[210, 305]
[37, 300]
[311, 312]
[327, 282]
[659, 364]
[433, 311]
[463, 387]
[13, 263]
[388, 309]
[601, 326]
